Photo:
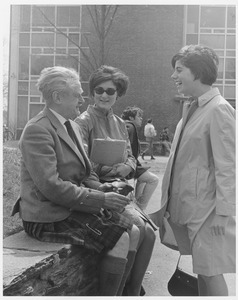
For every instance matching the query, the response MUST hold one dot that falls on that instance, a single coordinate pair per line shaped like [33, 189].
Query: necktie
[70, 131]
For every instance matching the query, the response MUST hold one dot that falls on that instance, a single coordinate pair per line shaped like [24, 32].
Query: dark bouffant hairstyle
[201, 60]
[131, 111]
[106, 73]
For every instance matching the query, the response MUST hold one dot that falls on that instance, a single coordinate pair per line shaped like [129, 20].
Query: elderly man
[61, 197]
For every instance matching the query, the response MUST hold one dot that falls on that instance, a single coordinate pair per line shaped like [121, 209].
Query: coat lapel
[60, 130]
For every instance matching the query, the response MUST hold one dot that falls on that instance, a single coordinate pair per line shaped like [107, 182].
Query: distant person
[199, 186]
[165, 140]
[146, 181]
[62, 199]
[149, 133]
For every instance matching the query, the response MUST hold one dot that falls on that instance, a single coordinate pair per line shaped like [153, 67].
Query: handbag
[182, 283]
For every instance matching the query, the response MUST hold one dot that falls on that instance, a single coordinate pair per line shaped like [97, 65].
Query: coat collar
[62, 133]
[208, 96]
[98, 112]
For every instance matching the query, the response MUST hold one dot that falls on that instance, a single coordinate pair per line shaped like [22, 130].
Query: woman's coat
[204, 171]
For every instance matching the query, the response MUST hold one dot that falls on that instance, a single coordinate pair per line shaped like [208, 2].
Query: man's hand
[107, 187]
[218, 226]
[115, 201]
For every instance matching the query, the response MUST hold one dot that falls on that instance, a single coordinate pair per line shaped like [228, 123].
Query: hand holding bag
[182, 283]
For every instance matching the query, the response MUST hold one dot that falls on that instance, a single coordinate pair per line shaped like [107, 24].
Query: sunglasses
[110, 91]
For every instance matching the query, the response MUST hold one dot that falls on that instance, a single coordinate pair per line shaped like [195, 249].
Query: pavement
[164, 259]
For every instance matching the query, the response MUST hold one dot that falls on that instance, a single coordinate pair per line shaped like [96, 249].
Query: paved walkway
[163, 262]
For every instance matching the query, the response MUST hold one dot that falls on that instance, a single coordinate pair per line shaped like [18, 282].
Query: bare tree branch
[111, 20]
[64, 34]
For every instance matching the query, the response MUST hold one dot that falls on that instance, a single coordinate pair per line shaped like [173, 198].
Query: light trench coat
[204, 171]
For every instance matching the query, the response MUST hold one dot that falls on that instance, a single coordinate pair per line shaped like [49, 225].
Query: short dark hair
[106, 73]
[131, 111]
[149, 120]
[201, 60]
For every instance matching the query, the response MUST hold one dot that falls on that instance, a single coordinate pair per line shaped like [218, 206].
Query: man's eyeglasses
[110, 91]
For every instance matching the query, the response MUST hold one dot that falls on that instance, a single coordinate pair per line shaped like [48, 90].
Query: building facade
[141, 41]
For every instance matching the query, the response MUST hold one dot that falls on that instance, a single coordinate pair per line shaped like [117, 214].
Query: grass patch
[11, 187]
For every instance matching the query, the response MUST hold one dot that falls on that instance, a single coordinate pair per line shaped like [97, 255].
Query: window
[61, 40]
[25, 18]
[67, 61]
[24, 39]
[73, 40]
[230, 42]
[39, 62]
[43, 15]
[215, 26]
[22, 111]
[231, 17]
[215, 41]
[230, 68]
[23, 63]
[193, 19]
[23, 88]
[68, 16]
[42, 39]
[33, 88]
[213, 16]
[35, 109]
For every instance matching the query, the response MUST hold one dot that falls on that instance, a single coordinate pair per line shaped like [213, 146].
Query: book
[108, 152]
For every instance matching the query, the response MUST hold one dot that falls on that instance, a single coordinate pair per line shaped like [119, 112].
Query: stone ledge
[34, 268]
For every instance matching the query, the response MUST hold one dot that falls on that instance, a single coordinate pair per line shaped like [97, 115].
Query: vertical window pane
[22, 111]
[39, 62]
[212, 16]
[75, 16]
[230, 42]
[68, 16]
[192, 18]
[221, 68]
[33, 88]
[230, 92]
[23, 88]
[43, 15]
[231, 17]
[25, 17]
[24, 63]
[192, 39]
[63, 16]
[73, 39]
[24, 39]
[230, 68]
[61, 40]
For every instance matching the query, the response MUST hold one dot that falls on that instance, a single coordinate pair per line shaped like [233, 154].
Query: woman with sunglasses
[106, 85]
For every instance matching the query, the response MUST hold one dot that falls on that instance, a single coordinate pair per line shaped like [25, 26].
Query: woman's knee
[122, 246]
[134, 234]
[149, 234]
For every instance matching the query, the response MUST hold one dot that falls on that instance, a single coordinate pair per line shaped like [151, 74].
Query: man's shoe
[143, 156]
[152, 157]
